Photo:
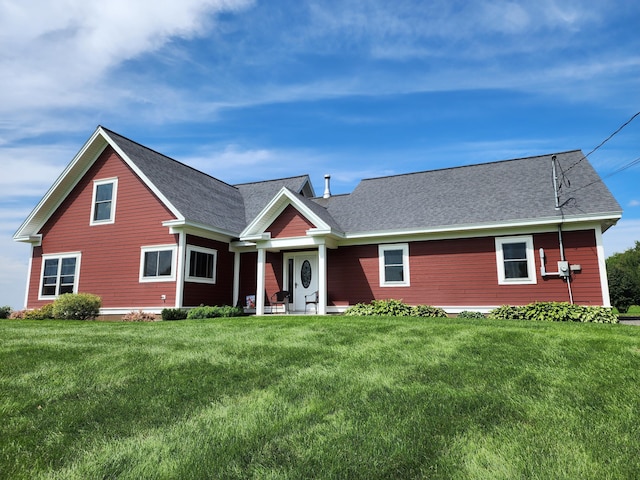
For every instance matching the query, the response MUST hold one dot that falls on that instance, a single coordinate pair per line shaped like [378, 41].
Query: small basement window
[515, 260]
[157, 264]
[394, 265]
[103, 208]
[201, 266]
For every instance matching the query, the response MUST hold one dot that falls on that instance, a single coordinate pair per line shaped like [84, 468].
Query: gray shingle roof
[497, 192]
[198, 197]
[257, 195]
[505, 191]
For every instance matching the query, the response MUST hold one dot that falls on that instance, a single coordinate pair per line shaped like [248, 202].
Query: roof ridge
[165, 156]
[273, 180]
[470, 165]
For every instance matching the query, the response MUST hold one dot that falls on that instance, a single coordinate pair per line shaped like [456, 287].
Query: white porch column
[262, 256]
[322, 279]
[236, 277]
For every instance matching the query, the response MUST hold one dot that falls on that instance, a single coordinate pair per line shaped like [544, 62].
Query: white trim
[531, 262]
[236, 277]
[275, 207]
[159, 248]
[602, 266]
[182, 241]
[114, 196]
[176, 213]
[59, 257]
[406, 282]
[29, 270]
[207, 251]
[262, 256]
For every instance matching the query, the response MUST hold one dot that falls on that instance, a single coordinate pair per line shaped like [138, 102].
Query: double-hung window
[157, 263]
[394, 265]
[103, 208]
[516, 260]
[201, 266]
[59, 275]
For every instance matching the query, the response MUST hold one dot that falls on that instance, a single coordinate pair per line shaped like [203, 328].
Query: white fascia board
[62, 187]
[142, 176]
[275, 207]
[199, 229]
[479, 230]
[289, 243]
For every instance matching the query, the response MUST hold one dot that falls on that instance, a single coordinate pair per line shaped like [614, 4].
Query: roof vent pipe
[327, 189]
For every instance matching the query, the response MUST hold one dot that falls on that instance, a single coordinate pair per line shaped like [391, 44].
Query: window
[394, 265]
[104, 201]
[516, 261]
[202, 264]
[157, 264]
[59, 275]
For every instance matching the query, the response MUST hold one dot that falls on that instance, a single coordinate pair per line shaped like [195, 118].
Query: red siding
[110, 260]
[290, 223]
[463, 272]
[248, 275]
[220, 293]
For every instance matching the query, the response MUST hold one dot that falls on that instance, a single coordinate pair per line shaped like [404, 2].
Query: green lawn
[311, 397]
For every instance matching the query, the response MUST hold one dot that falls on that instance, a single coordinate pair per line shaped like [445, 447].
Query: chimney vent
[327, 189]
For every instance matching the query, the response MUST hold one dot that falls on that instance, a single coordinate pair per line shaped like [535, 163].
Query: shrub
[77, 306]
[5, 311]
[507, 312]
[139, 316]
[556, 312]
[17, 314]
[428, 311]
[360, 310]
[214, 312]
[173, 314]
[469, 314]
[43, 313]
[393, 308]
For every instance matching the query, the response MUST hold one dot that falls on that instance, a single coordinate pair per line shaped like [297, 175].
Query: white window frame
[406, 282]
[159, 248]
[59, 257]
[207, 251]
[114, 196]
[531, 262]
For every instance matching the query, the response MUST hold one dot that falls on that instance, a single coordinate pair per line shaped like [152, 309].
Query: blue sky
[249, 90]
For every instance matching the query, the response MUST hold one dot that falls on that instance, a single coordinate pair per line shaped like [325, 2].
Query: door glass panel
[305, 274]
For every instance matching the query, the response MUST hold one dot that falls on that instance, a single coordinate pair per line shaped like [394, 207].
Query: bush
[393, 308]
[77, 306]
[43, 313]
[174, 314]
[17, 314]
[139, 316]
[555, 312]
[428, 311]
[469, 314]
[5, 311]
[214, 312]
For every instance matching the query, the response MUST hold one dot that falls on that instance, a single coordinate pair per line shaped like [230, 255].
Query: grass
[312, 397]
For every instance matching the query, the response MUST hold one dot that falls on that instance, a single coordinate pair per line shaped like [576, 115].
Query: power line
[604, 141]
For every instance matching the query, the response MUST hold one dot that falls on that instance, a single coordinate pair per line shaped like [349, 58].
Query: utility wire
[621, 169]
[604, 141]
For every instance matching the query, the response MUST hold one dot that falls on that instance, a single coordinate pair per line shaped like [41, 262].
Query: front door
[302, 275]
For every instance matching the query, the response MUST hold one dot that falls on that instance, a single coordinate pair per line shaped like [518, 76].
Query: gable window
[515, 259]
[103, 208]
[59, 275]
[394, 265]
[201, 266]
[157, 264]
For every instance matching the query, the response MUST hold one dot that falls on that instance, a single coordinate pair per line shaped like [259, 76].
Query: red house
[144, 231]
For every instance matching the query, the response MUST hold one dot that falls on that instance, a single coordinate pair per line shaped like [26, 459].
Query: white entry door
[302, 274]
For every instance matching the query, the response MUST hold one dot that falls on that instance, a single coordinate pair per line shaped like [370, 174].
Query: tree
[624, 278]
